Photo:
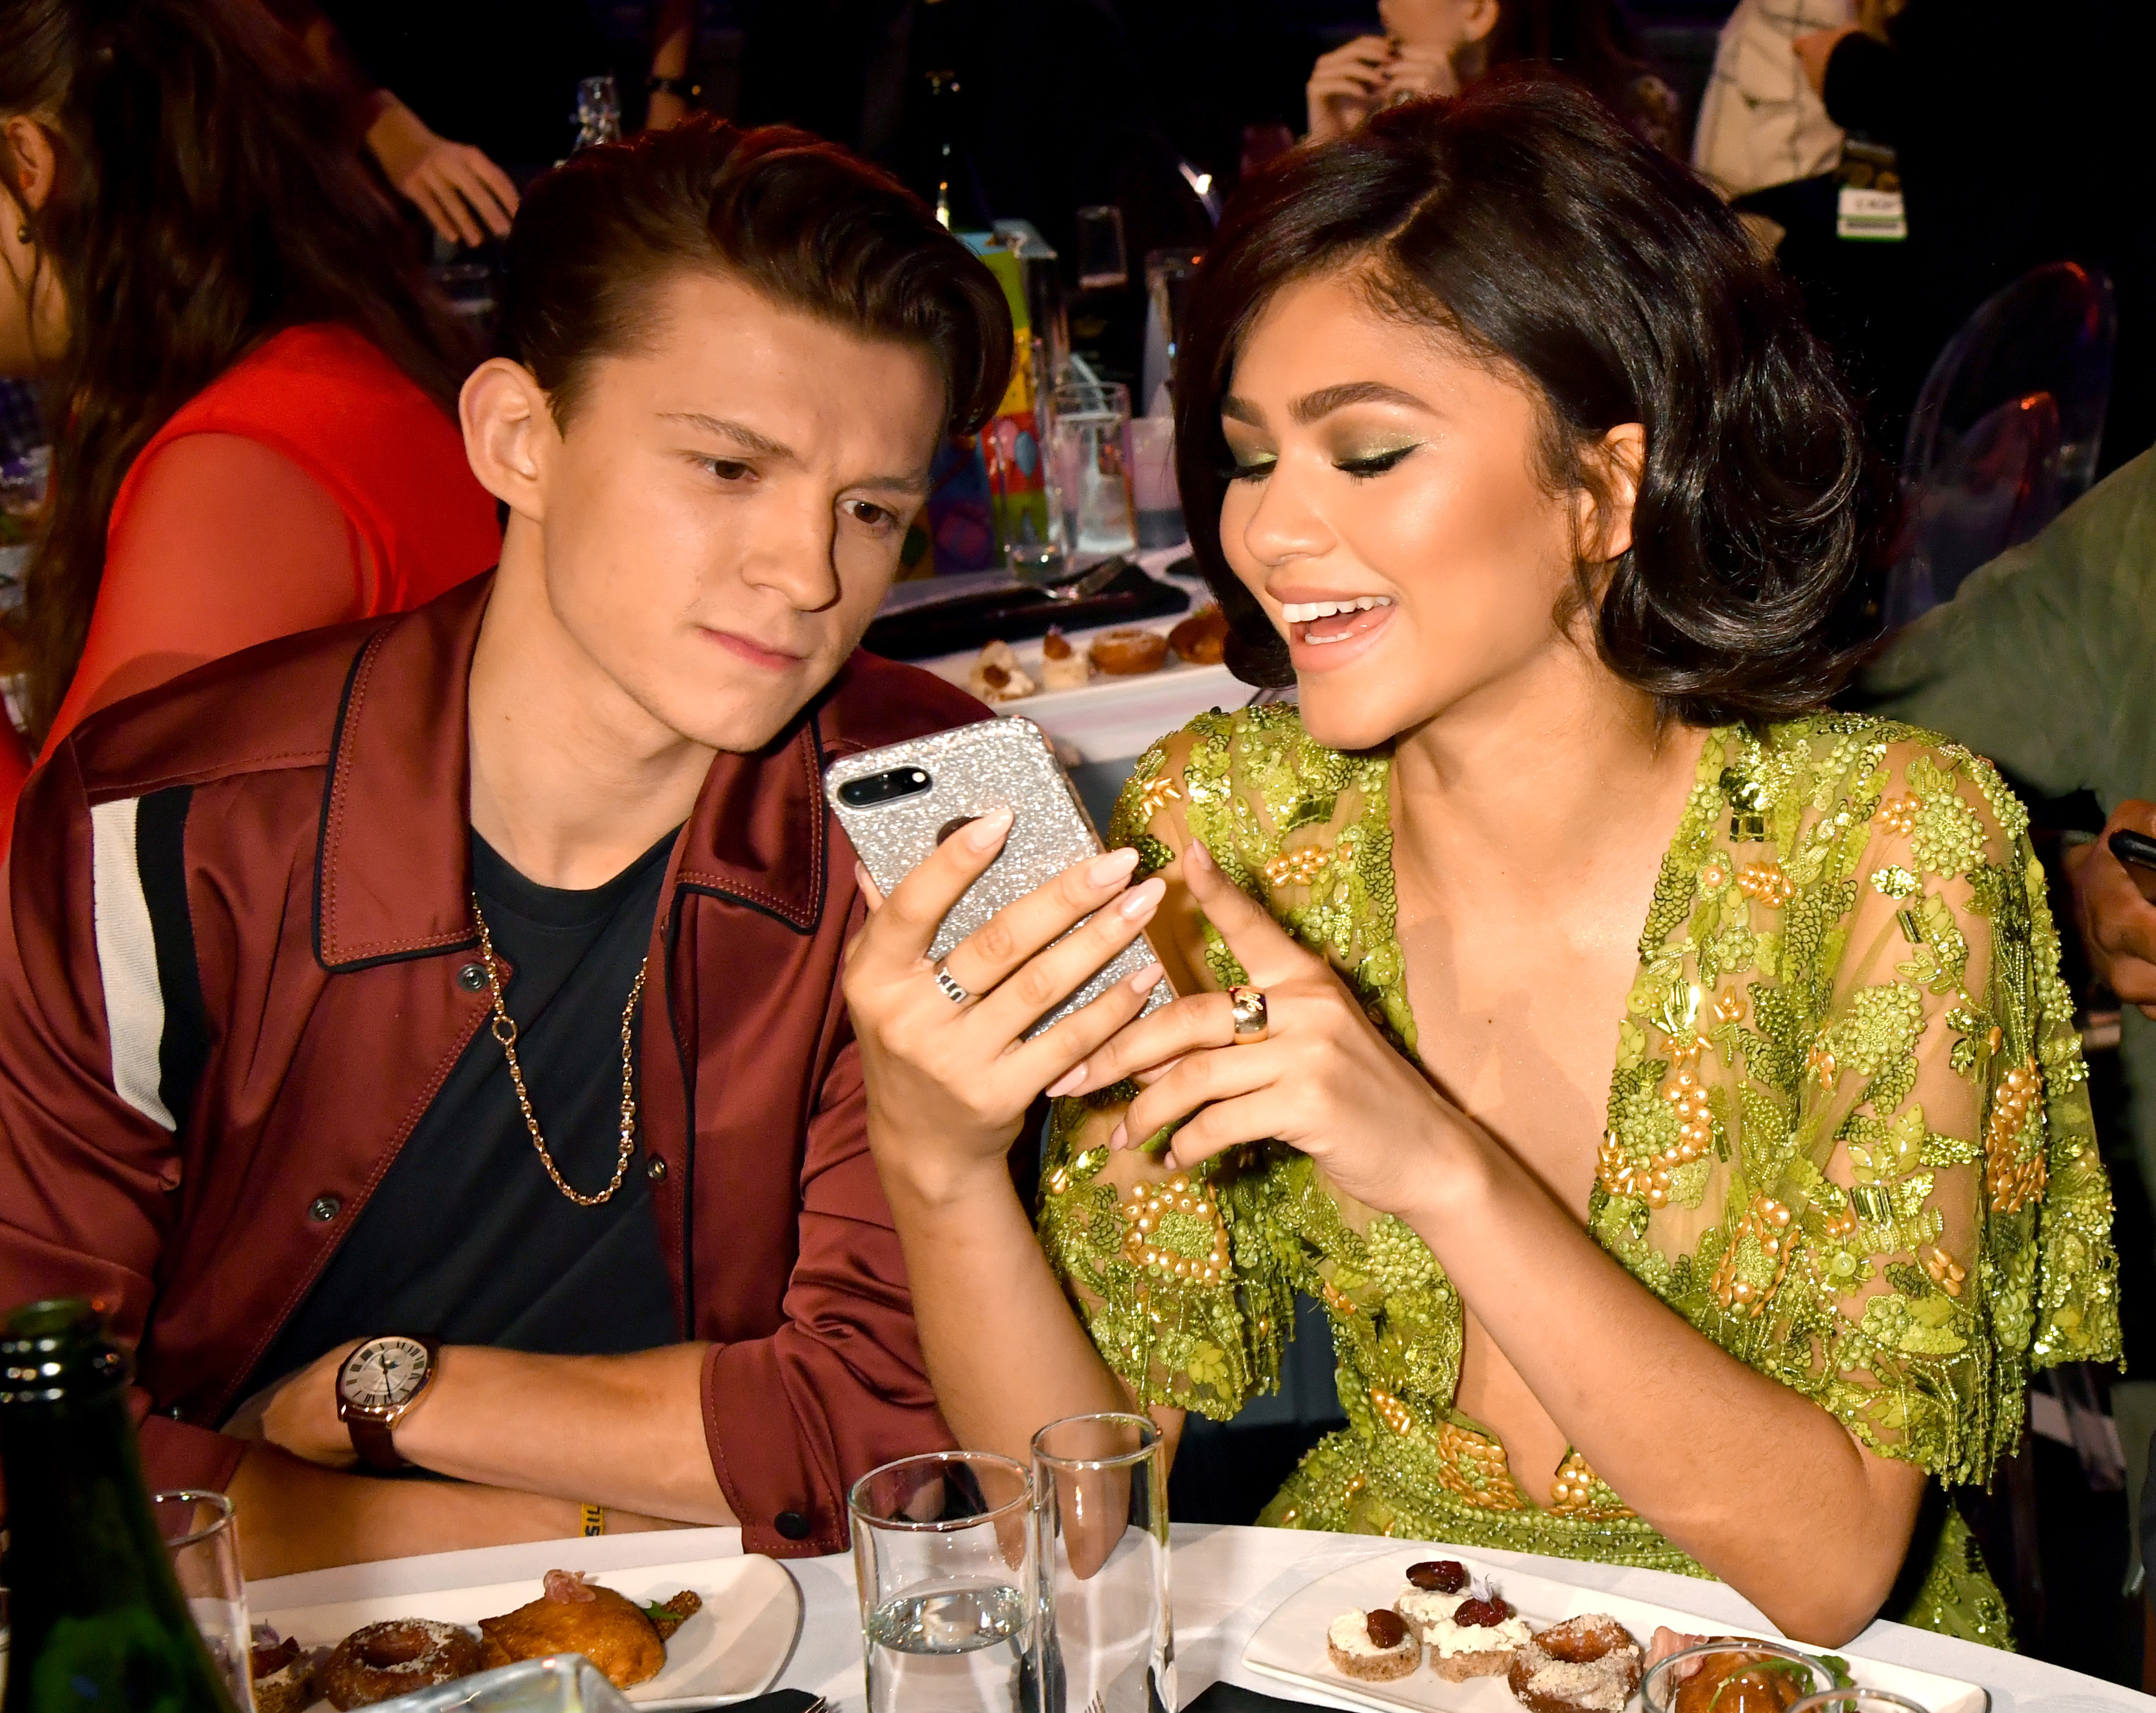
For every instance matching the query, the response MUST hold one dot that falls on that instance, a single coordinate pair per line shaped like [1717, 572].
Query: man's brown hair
[788, 215]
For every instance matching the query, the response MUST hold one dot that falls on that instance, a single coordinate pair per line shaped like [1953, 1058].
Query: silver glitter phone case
[897, 803]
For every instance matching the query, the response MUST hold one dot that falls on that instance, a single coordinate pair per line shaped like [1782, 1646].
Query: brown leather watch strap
[373, 1441]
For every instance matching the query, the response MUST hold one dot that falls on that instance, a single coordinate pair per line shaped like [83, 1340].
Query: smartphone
[898, 803]
[2137, 851]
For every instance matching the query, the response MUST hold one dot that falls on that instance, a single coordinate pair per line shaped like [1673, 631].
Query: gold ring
[1247, 1005]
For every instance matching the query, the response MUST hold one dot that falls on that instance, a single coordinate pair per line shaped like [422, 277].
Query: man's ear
[32, 164]
[510, 436]
[1606, 520]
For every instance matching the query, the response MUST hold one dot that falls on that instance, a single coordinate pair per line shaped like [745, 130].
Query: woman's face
[1387, 513]
[1440, 26]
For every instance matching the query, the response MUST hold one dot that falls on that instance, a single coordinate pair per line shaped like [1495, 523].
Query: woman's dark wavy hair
[204, 199]
[797, 220]
[1527, 223]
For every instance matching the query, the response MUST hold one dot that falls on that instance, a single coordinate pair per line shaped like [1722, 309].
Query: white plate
[1290, 1642]
[736, 1646]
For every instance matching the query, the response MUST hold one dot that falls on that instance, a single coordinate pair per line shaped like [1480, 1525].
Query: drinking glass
[1104, 1642]
[1153, 496]
[943, 1554]
[1103, 264]
[204, 1545]
[1169, 274]
[1854, 1699]
[1089, 460]
[1720, 1658]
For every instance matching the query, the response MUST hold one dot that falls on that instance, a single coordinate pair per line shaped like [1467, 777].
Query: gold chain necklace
[505, 1031]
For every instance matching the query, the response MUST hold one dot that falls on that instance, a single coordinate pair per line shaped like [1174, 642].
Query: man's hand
[2117, 923]
[302, 1417]
[453, 184]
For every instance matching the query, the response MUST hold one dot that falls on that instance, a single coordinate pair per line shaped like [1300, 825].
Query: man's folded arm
[90, 1177]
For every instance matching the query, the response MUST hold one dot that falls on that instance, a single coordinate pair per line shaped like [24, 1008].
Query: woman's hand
[454, 184]
[1323, 1080]
[1413, 72]
[948, 1081]
[1346, 86]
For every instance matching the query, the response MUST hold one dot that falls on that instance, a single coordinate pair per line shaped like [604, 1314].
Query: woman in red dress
[252, 385]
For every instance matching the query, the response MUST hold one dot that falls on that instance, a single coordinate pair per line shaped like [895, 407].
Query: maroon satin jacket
[235, 968]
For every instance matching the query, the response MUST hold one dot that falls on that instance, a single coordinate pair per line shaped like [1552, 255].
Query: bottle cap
[58, 1351]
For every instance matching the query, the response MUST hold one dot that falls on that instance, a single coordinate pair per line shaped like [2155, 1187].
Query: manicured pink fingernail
[1146, 980]
[1067, 1082]
[985, 833]
[1108, 870]
[1144, 901]
[1118, 1138]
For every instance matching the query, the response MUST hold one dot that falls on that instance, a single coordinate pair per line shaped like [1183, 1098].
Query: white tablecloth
[1226, 1581]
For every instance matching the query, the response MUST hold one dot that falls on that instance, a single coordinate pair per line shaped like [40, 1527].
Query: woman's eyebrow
[1312, 406]
[1241, 411]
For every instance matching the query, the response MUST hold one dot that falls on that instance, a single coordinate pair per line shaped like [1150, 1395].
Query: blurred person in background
[252, 386]
[1440, 47]
[2018, 143]
[1761, 122]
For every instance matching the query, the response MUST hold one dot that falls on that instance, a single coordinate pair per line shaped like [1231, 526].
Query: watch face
[383, 1373]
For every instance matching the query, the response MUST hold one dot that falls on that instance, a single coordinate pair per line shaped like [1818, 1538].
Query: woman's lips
[1321, 644]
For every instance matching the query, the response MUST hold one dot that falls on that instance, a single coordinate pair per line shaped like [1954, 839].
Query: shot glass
[943, 1554]
[204, 1545]
[1090, 465]
[1855, 1700]
[1104, 1641]
[1104, 264]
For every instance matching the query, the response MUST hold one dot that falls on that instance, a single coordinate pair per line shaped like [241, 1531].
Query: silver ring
[1247, 1007]
[951, 991]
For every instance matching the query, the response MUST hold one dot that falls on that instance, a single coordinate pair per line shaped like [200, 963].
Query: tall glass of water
[204, 1545]
[1104, 1642]
[943, 1553]
[1090, 459]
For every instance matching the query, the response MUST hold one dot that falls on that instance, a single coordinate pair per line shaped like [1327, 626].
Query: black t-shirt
[466, 1239]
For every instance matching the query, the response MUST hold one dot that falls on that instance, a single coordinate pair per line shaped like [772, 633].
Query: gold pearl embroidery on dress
[2016, 1178]
[1297, 868]
[1471, 1467]
[1155, 795]
[1391, 1411]
[1174, 1230]
[1947, 1273]
[1744, 1285]
[1573, 1494]
[1765, 881]
[1898, 815]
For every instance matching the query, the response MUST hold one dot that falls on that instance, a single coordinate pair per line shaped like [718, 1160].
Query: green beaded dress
[1849, 1138]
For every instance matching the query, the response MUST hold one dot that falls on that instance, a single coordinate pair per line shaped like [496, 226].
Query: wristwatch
[377, 1387]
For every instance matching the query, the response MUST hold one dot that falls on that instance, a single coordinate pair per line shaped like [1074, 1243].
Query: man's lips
[756, 653]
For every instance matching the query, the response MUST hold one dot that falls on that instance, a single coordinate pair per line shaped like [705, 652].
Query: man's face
[726, 509]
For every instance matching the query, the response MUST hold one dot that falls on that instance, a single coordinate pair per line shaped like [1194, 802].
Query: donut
[1586, 1664]
[1201, 638]
[1128, 652]
[382, 1660]
[1375, 1647]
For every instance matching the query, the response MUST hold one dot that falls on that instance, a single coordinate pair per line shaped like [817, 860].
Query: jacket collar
[392, 871]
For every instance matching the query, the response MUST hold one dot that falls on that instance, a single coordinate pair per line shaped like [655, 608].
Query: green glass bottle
[99, 1623]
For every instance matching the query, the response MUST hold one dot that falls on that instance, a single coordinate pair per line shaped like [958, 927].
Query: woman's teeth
[1304, 612]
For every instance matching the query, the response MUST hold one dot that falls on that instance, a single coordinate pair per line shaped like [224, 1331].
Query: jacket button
[325, 1208]
[472, 977]
[791, 1524]
[655, 1168]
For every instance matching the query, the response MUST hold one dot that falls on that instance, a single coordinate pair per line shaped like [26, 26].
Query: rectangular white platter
[1290, 1645]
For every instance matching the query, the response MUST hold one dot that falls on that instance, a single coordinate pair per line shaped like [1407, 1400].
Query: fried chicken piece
[610, 1631]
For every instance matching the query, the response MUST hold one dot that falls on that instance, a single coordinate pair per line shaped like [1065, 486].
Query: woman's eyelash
[1252, 471]
[1377, 464]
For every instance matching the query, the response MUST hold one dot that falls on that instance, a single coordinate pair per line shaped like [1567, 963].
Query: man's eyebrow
[1313, 406]
[916, 483]
[746, 438]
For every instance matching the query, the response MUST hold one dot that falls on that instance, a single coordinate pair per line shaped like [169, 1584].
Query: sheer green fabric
[1849, 1138]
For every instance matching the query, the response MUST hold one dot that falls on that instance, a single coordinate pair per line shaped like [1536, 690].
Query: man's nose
[792, 555]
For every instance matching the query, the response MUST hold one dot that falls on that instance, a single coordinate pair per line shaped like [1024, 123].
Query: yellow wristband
[594, 1519]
